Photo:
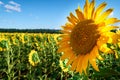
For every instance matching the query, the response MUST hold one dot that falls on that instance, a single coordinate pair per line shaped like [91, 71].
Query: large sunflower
[85, 34]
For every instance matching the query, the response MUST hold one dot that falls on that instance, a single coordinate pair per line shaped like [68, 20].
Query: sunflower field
[34, 56]
[31, 56]
[16, 60]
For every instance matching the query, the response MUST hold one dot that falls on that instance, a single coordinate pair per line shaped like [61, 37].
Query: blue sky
[43, 14]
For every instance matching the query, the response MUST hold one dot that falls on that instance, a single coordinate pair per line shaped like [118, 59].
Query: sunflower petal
[99, 57]
[85, 63]
[93, 62]
[74, 18]
[75, 62]
[92, 58]
[97, 53]
[79, 65]
[71, 59]
[99, 9]
[105, 49]
[66, 31]
[64, 40]
[102, 41]
[86, 9]
[79, 15]
[79, 9]
[61, 43]
[67, 54]
[111, 21]
[116, 55]
[106, 29]
[63, 46]
[64, 36]
[71, 20]
[67, 27]
[103, 16]
[91, 9]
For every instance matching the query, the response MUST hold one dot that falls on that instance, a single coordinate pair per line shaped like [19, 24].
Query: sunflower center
[83, 37]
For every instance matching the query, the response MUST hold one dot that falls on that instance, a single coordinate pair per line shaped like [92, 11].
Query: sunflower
[85, 34]
[63, 67]
[33, 58]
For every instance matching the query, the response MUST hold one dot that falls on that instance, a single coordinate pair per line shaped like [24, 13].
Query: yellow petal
[79, 9]
[86, 9]
[66, 31]
[64, 36]
[85, 63]
[65, 40]
[99, 57]
[79, 15]
[103, 16]
[99, 9]
[74, 18]
[71, 20]
[63, 43]
[93, 62]
[91, 9]
[111, 21]
[79, 65]
[74, 64]
[92, 58]
[63, 48]
[102, 40]
[106, 29]
[105, 49]
[112, 37]
[97, 53]
[67, 54]
[67, 27]
[71, 59]
[116, 55]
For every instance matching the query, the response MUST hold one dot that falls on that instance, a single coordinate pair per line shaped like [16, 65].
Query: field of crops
[34, 56]
[15, 51]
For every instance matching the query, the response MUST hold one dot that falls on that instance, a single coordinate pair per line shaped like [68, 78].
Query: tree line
[31, 30]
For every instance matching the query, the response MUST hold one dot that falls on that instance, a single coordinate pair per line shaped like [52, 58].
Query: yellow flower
[65, 69]
[1, 49]
[56, 37]
[85, 34]
[33, 58]
[118, 35]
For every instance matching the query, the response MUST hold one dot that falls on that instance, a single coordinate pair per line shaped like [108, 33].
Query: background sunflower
[33, 58]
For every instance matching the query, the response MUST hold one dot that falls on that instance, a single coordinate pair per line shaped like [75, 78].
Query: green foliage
[109, 67]
[15, 64]
[14, 60]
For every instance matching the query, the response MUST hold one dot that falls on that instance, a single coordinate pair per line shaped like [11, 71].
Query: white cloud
[14, 3]
[1, 3]
[12, 8]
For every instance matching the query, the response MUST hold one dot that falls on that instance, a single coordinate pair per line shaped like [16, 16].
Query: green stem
[19, 72]
[8, 63]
